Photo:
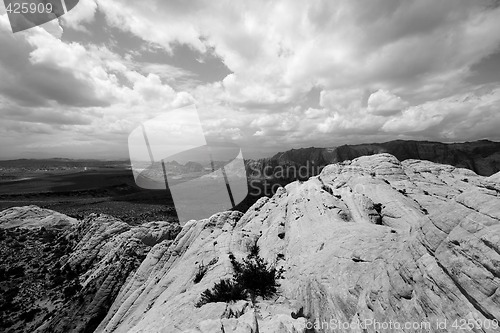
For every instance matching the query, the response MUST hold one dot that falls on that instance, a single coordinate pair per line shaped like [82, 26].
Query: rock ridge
[368, 239]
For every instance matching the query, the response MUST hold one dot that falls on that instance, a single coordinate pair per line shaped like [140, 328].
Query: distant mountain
[482, 157]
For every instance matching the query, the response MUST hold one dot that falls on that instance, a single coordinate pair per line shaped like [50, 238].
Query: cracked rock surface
[368, 239]
[58, 274]
[372, 239]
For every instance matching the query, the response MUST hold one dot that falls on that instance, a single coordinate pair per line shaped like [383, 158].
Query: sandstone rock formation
[69, 276]
[368, 240]
[33, 217]
[109, 250]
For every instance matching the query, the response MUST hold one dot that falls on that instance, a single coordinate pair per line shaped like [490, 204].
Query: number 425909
[29, 8]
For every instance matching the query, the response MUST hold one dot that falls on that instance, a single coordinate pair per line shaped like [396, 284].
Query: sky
[267, 75]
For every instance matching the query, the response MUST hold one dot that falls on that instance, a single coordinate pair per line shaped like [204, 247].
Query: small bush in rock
[252, 278]
[225, 290]
[257, 278]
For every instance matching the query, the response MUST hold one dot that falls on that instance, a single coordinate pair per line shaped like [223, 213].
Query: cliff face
[482, 157]
[372, 239]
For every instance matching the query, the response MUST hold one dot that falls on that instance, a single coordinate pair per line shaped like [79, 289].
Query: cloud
[84, 13]
[277, 51]
[32, 83]
[343, 118]
[166, 72]
[48, 115]
[342, 100]
[382, 69]
[384, 103]
[471, 115]
[85, 95]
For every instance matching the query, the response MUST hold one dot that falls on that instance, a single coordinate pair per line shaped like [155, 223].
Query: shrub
[256, 278]
[252, 278]
[225, 290]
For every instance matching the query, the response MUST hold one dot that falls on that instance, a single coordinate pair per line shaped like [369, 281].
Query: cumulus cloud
[471, 115]
[383, 69]
[334, 43]
[384, 103]
[74, 93]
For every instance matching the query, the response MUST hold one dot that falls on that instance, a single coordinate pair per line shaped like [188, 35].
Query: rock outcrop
[369, 245]
[33, 217]
[63, 274]
[371, 240]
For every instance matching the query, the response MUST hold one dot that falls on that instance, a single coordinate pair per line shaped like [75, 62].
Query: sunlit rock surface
[33, 217]
[368, 239]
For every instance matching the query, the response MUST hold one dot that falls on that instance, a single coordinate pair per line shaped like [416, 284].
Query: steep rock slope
[62, 275]
[371, 239]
